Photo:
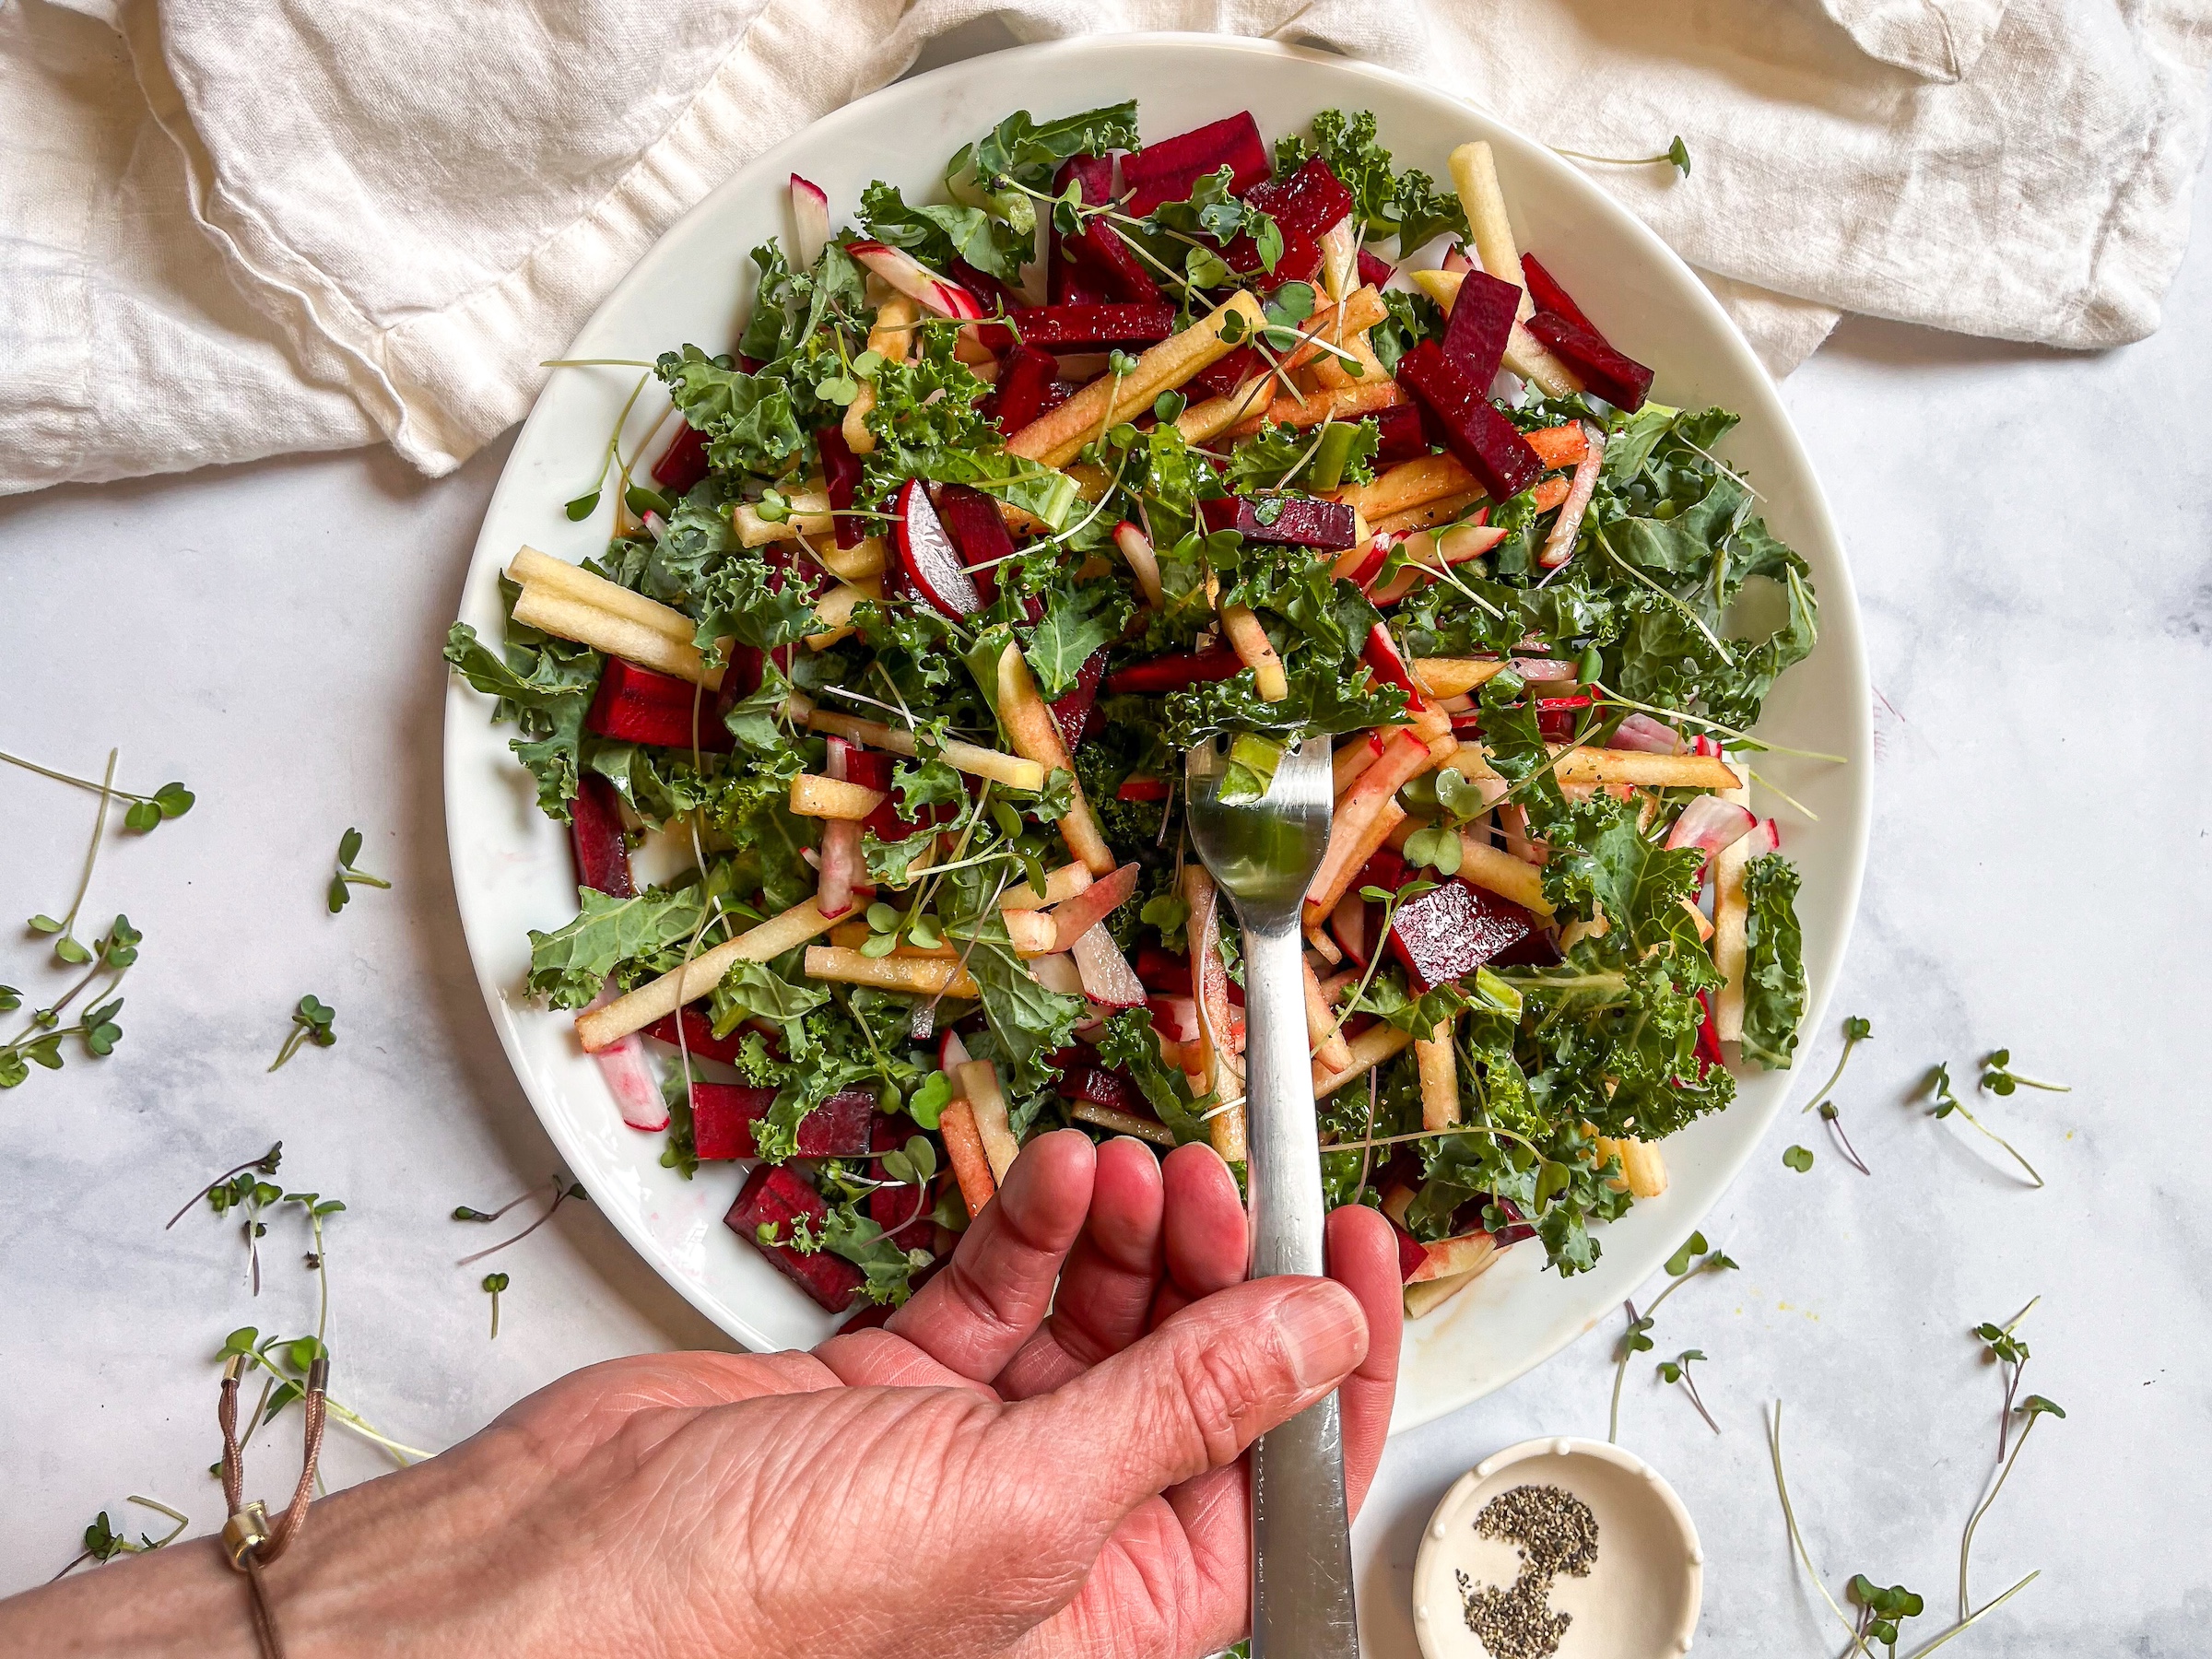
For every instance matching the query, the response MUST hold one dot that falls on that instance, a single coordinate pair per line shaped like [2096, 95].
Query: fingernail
[1324, 1335]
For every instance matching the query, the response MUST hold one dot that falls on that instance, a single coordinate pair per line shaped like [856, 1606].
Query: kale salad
[1000, 501]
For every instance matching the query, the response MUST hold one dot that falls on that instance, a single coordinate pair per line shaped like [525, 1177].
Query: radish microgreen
[39, 1043]
[563, 1190]
[1943, 1103]
[493, 1283]
[1856, 1031]
[1676, 1371]
[103, 1544]
[1799, 1159]
[1676, 155]
[311, 1023]
[1693, 1259]
[350, 849]
[264, 1165]
[1999, 1078]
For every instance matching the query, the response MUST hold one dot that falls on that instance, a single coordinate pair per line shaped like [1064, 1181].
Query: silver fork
[1263, 855]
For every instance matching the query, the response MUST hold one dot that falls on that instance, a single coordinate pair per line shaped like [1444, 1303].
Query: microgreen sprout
[584, 505]
[68, 948]
[1676, 155]
[563, 1190]
[350, 849]
[170, 801]
[264, 1165]
[1799, 1159]
[2010, 1354]
[1881, 1610]
[40, 1042]
[288, 1360]
[493, 1283]
[1676, 1371]
[1694, 1258]
[1999, 1078]
[1938, 1089]
[311, 1023]
[103, 1544]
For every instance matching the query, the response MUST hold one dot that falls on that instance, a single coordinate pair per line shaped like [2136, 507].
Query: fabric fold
[232, 231]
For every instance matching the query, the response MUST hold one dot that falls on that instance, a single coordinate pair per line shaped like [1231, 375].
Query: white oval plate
[512, 867]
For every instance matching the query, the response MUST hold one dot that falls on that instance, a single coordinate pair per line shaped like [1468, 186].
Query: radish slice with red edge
[1542, 670]
[1107, 979]
[952, 1053]
[1072, 918]
[629, 1075]
[1380, 655]
[926, 555]
[1650, 736]
[1710, 823]
[1057, 973]
[916, 281]
[1456, 258]
[810, 216]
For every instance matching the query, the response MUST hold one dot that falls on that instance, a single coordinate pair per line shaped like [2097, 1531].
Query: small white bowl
[1640, 1598]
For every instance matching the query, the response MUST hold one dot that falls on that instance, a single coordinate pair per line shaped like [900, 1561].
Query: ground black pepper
[1556, 1533]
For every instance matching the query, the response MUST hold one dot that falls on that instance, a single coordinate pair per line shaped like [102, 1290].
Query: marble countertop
[2030, 536]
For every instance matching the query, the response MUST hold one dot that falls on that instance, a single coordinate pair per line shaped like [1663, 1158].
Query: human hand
[994, 1472]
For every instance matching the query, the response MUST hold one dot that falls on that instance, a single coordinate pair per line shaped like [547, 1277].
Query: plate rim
[1842, 627]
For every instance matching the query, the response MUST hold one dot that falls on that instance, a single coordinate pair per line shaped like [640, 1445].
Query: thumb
[1192, 1394]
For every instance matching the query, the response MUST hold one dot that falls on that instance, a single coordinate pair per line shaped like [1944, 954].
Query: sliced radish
[1075, 917]
[1143, 563]
[1457, 258]
[1058, 973]
[952, 1052]
[630, 1074]
[1174, 1017]
[1710, 823]
[810, 214]
[1544, 669]
[1766, 838]
[1651, 736]
[917, 281]
[1106, 978]
[927, 555]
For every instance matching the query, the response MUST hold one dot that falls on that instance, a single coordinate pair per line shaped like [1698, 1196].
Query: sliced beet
[595, 836]
[1284, 521]
[926, 555]
[1222, 377]
[979, 534]
[1106, 251]
[1068, 275]
[893, 1206]
[773, 1195]
[1025, 389]
[840, 482]
[1487, 444]
[1170, 673]
[1299, 262]
[1142, 789]
[699, 1037]
[1621, 380]
[1071, 710]
[683, 462]
[1309, 200]
[1454, 929]
[1165, 974]
[723, 1114]
[1165, 171]
[889, 822]
[1086, 1080]
[1540, 949]
[1480, 322]
[1374, 272]
[1072, 328]
[993, 293]
[642, 705]
[1398, 435]
[1546, 293]
[1386, 868]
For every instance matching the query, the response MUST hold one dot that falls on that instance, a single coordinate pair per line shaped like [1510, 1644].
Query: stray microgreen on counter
[493, 1283]
[1676, 1371]
[311, 1023]
[1999, 1078]
[1943, 1103]
[40, 1042]
[1693, 1259]
[350, 849]
[103, 1543]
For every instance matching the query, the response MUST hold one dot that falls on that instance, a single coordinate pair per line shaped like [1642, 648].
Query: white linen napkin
[231, 230]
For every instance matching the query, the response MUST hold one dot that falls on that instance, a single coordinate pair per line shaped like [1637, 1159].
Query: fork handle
[1302, 1551]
